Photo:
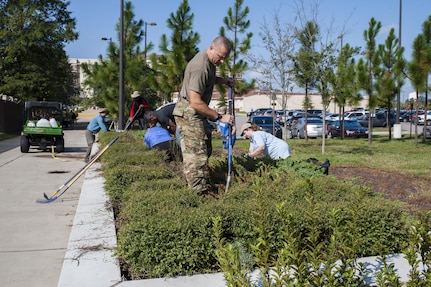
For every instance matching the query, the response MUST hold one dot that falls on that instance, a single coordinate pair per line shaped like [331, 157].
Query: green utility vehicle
[42, 127]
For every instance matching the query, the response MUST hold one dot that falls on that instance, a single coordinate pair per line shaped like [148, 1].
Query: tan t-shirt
[199, 76]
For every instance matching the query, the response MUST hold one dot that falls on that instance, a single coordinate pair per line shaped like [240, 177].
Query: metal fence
[11, 116]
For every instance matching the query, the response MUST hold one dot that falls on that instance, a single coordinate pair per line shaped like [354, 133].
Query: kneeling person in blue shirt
[157, 137]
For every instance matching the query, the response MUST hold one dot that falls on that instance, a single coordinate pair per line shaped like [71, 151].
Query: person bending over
[157, 137]
[192, 111]
[263, 143]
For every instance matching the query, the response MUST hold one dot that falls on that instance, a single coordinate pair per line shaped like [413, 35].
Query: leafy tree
[236, 22]
[390, 79]
[370, 66]
[32, 58]
[177, 51]
[278, 40]
[104, 76]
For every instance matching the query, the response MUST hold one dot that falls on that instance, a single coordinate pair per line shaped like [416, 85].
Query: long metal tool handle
[62, 189]
[229, 140]
[130, 122]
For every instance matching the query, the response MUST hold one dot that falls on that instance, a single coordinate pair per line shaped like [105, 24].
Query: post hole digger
[63, 188]
[229, 151]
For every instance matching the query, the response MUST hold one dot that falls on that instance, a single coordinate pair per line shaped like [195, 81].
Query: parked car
[314, 128]
[277, 114]
[352, 129]
[291, 113]
[421, 118]
[257, 112]
[355, 115]
[406, 116]
[332, 117]
[379, 119]
[268, 113]
[299, 115]
[268, 124]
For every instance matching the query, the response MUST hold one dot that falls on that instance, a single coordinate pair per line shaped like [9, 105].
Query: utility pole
[121, 67]
[145, 37]
[397, 120]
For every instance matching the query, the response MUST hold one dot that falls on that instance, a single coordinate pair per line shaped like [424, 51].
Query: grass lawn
[5, 136]
[400, 155]
[396, 168]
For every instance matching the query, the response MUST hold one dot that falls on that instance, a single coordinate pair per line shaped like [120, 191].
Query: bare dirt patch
[412, 190]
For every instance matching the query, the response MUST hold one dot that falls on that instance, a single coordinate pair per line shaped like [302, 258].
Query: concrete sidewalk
[34, 236]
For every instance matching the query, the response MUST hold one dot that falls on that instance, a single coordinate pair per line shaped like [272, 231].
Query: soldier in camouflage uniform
[191, 112]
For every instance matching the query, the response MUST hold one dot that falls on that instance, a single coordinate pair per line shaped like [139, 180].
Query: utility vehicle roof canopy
[37, 110]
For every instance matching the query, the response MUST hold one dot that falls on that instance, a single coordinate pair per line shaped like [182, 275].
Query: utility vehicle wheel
[59, 145]
[25, 144]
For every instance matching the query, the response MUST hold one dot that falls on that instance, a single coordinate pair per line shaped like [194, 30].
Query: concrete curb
[89, 259]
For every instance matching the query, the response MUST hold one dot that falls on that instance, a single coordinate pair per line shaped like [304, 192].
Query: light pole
[145, 37]
[106, 39]
[341, 39]
[121, 68]
[399, 91]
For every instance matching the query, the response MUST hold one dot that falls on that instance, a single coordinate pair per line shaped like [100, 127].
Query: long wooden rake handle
[62, 189]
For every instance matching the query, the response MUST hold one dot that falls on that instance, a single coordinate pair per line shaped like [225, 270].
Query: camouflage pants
[195, 137]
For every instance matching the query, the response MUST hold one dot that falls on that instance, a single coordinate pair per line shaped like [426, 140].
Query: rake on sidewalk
[62, 189]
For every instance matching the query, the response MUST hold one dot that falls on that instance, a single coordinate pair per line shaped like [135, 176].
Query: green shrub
[272, 208]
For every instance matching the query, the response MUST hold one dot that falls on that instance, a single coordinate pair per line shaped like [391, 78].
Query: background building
[78, 83]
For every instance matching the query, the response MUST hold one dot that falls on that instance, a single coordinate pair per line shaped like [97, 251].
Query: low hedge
[166, 230]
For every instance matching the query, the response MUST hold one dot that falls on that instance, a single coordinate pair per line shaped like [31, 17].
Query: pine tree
[390, 80]
[32, 58]
[177, 51]
[236, 23]
[104, 76]
[417, 70]
[371, 62]
[306, 61]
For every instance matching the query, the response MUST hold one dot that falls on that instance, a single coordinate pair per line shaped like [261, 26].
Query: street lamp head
[106, 39]
[152, 24]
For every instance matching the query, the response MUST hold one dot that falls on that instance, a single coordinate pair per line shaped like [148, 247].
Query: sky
[98, 18]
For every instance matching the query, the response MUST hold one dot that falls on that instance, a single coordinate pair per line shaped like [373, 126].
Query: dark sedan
[352, 129]
[267, 123]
